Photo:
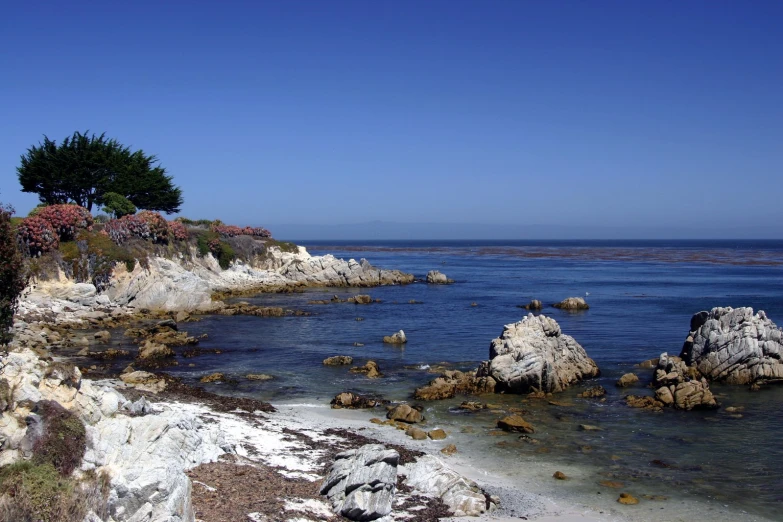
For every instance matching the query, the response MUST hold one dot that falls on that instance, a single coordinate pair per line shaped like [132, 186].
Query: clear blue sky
[501, 112]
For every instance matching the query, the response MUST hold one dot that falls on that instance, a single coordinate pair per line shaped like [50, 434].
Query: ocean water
[642, 296]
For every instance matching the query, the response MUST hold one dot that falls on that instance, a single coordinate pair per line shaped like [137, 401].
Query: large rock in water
[435, 277]
[362, 482]
[734, 346]
[534, 355]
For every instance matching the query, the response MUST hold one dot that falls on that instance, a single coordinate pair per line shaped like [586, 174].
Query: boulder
[627, 380]
[405, 413]
[534, 304]
[452, 382]
[515, 423]
[734, 346]
[534, 355]
[361, 482]
[437, 434]
[397, 338]
[434, 277]
[681, 386]
[144, 381]
[370, 369]
[152, 350]
[594, 392]
[572, 303]
[338, 360]
[352, 401]
[360, 299]
[102, 336]
[416, 433]
[213, 377]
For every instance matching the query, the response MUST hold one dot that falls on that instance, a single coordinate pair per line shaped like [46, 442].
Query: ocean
[642, 295]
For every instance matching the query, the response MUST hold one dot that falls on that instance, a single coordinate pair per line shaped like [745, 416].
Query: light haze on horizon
[637, 115]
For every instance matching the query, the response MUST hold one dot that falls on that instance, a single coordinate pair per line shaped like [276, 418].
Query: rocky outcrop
[681, 386]
[396, 338]
[534, 355]
[515, 423]
[572, 303]
[352, 401]
[534, 304]
[627, 380]
[434, 277]
[405, 413]
[330, 271]
[338, 360]
[453, 382]
[370, 369]
[361, 482]
[735, 346]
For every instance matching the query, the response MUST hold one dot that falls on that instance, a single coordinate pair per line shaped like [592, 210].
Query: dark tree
[13, 276]
[82, 169]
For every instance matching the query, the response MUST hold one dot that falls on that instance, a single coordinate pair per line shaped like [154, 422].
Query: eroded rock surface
[735, 346]
[534, 355]
[453, 382]
[435, 277]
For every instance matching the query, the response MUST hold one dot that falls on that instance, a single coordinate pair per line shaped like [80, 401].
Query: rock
[144, 381]
[416, 433]
[397, 338]
[352, 401]
[102, 336]
[515, 423]
[167, 324]
[681, 386]
[360, 299]
[589, 427]
[572, 303]
[431, 476]
[152, 350]
[535, 304]
[628, 499]
[358, 345]
[559, 475]
[593, 393]
[450, 449]
[734, 346]
[534, 355]
[259, 377]
[647, 403]
[611, 484]
[648, 364]
[437, 434]
[213, 377]
[370, 369]
[472, 406]
[404, 413]
[338, 360]
[627, 380]
[109, 354]
[182, 316]
[452, 382]
[361, 482]
[434, 277]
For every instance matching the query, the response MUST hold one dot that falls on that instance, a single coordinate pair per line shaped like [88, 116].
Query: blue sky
[504, 112]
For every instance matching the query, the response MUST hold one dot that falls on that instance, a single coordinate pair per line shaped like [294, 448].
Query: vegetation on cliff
[13, 276]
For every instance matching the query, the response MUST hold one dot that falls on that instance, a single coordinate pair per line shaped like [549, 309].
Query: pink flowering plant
[66, 220]
[178, 230]
[37, 235]
[158, 226]
[121, 230]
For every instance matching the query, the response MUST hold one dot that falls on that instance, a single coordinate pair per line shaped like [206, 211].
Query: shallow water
[640, 306]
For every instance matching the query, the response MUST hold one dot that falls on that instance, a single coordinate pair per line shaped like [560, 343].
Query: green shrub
[284, 246]
[226, 255]
[13, 276]
[117, 205]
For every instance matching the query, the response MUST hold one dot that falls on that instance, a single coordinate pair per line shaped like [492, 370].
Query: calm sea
[641, 294]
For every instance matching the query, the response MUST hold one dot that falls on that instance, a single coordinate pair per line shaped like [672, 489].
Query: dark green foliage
[195, 223]
[209, 242]
[225, 255]
[91, 258]
[117, 205]
[284, 246]
[63, 441]
[83, 169]
[13, 276]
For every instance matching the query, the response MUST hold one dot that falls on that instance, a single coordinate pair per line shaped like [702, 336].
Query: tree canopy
[83, 169]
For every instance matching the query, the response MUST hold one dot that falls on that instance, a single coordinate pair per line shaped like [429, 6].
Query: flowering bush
[66, 219]
[178, 230]
[233, 231]
[121, 230]
[38, 235]
[158, 226]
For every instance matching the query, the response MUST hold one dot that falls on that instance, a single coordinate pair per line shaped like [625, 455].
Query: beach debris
[534, 355]
[396, 338]
[435, 277]
[572, 303]
[370, 369]
[405, 413]
[338, 360]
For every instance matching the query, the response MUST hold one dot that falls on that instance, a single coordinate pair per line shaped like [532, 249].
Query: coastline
[536, 495]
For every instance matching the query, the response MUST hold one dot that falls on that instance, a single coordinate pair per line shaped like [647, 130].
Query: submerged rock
[515, 423]
[370, 369]
[361, 482]
[593, 393]
[338, 360]
[535, 304]
[627, 380]
[735, 346]
[153, 350]
[434, 277]
[534, 355]
[572, 303]
[213, 377]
